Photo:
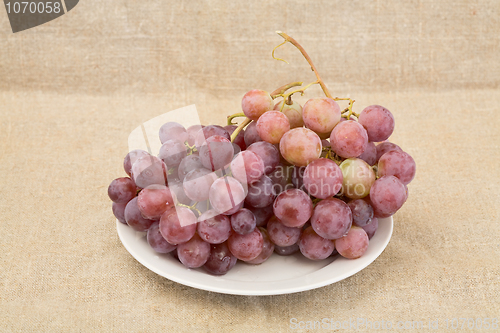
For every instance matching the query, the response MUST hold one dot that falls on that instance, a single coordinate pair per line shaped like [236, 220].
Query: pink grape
[240, 138]
[378, 122]
[398, 164]
[331, 218]
[313, 246]
[251, 134]
[246, 247]
[216, 152]
[156, 240]
[213, 228]
[122, 190]
[194, 253]
[321, 114]
[269, 154]
[300, 146]
[286, 250]
[262, 215]
[243, 221]
[220, 260]
[247, 167]
[272, 125]
[154, 200]
[131, 157]
[260, 193]
[119, 211]
[149, 170]
[209, 131]
[322, 178]
[358, 178]
[349, 139]
[371, 228]
[178, 225]
[134, 218]
[370, 154]
[387, 196]
[267, 249]
[386, 147]
[188, 164]
[197, 184]
[293, 112]
[172, 152]
[362, 212]
[192, 131]
[226, 195]
[173, 130]
[293, 207]
[255, 103]
[282, 235]
[354, 244]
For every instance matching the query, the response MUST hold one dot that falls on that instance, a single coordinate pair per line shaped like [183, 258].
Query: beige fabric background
[73, 89]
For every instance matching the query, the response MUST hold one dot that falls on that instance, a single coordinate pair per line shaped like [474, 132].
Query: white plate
[278, 275]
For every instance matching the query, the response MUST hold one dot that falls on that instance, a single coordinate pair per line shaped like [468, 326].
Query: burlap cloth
[73, 89]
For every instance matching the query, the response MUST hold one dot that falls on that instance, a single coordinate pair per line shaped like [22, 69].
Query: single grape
[286, 250]
[322, 178]
[260, 193]
[197, 184]
[213, 228]
[192, 131]
[282, 235]
[216, 152]
[226, 195]
[134, 218]
[313, 246]
[269, 154]
[122, 190]
[386, 147]
[370, 154]
[281, 178]
[272, 125]
[354, 244]
[119, 211]
[208, 131]
[300, 146]
[243, 221]
[331, 218]
[398, 164]
[358, 178]
[371, 228]
[131, 157]
[292, 111]
[188, 164]
[362, 212]
[298, 177]
[154, 200]
[321, 114]
[194, 253]
[177, 188]
[255, 103]
[387, 196]
[293, 207]
[178, 225]
[262, 215]
[240, 137]
[173, 130]
[349, 139]
[156, 240]
[246, 247]
[247, 167]
[149, 170]
[251, 135]
[172, 152]
[378, 122]
[220, 260]
[267, 249]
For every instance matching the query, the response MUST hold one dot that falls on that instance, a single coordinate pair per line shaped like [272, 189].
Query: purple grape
[122, 190]
[188, 164]
[156, 240]
[286, 250]
[387, 196]
[362, 212]
[398, 164]
[149, 170]
[247, 167]
[378, 122]
[293, 207]
[371, 228]
[173, 130]
[220, 260]
[267, 249]
[172, 152]
[194, 253]
[119, 211]
[370, 154]
[243, 221]
[192, 131]
[354, 244]
[178, 225]
[331, 218]
[216, 152]
[134, 218]
[349, 139]
[240, 138]
[260, 193]
[251, 135]
[281, 178]
[298, 177]
[209, 131]
[154, 200]
[213, 228]
[313, 246]
[269, 154]
[322, 178]
[130, 159]
[246, 247]
[197, 184]
[282, 235]
[262, 215]
[386, 147]
[226, 195]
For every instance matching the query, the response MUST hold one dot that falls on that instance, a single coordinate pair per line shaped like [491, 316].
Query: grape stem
[306, 56]
[281, 90]
[193, 206]
[231, 117]
[239, 128]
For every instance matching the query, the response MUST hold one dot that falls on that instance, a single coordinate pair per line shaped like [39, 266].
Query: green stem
[239, 128]
[231, 117]
[281, 90]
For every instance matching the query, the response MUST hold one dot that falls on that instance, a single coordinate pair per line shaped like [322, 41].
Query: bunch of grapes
[312, 179]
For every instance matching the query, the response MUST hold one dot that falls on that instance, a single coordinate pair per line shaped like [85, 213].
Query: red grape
[251, 135]
[313, 246]
[293, 112]
[322, 178]
[154, 200]
[246, 247]
[398, 164]
[272, 125]
[156, 240]
[194, 253]
[122, 190]
[300, 146]
[173, 130]
[134, 218]
[378, 122]
[247, 167]
[387, 195]
[226, 195]
[354, 244]
[282, 235]
[349, 139]
[321, 114]
[293, 207]
[255, 103]
[213, 229]
[267, 249]
[269, 154]
[243, 221]
[220, 260]
[331, 218]
[178, 225]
